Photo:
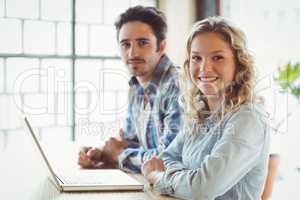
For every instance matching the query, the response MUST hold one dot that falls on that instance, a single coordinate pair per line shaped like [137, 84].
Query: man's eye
[143, 43]
[217, 58]
[125, 45]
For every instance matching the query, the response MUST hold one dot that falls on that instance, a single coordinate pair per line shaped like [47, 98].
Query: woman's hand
[151, 168]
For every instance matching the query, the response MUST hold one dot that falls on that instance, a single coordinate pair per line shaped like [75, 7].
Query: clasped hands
[106, 157]
[103, 157]
[152, 168]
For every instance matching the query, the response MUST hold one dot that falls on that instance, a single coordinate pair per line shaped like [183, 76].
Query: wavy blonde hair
[240, 90]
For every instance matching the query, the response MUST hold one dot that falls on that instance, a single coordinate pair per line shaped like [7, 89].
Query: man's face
[138, 47]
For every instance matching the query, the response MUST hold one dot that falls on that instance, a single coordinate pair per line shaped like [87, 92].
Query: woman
[222, 150]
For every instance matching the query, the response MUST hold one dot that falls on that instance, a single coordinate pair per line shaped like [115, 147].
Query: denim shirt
[151, 125]
[227, 160]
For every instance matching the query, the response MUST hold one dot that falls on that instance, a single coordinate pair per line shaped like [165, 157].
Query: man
[153, 116]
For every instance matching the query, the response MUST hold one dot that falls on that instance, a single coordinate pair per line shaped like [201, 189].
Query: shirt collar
[151, 88]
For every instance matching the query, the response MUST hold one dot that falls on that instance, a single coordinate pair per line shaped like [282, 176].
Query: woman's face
[212, 63]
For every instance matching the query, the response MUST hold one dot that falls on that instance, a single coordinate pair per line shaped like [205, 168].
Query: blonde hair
[240, 90]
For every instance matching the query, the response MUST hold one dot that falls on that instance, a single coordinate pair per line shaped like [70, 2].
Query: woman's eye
[196, 58]
[217, 58]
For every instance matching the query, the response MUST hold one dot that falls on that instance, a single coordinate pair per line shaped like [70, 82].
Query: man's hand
[90, 158]
[114, 147]
[151, 168]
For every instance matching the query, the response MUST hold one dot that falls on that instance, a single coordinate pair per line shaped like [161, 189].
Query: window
[44, 57]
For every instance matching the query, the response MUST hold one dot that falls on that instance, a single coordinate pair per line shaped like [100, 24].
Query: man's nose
[133, 50]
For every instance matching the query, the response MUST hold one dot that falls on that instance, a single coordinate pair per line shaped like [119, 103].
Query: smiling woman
[222, 150]
[218, 67]
[212, 64]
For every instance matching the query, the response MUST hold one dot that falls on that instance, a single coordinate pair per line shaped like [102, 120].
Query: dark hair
[148, 15]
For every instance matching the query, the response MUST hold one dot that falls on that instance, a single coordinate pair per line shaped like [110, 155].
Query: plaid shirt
[158, 104]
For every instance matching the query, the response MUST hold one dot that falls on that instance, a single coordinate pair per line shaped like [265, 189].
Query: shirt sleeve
[172, 156]
[234, 155]
[132, 158]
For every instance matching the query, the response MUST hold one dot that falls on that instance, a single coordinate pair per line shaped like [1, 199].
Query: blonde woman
[222, 150]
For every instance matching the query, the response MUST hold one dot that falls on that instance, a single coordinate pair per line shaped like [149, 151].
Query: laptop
[88, 180]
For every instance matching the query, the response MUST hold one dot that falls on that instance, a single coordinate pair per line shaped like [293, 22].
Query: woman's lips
[207, 79]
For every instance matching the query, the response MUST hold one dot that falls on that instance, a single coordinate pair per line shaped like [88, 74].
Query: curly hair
[236, 93]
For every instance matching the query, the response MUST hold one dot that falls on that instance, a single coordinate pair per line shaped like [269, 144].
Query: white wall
[180, 16]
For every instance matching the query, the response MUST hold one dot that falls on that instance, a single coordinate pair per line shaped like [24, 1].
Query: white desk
[23, 176]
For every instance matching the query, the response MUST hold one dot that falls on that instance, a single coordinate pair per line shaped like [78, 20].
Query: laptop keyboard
[81, 178]
[97, 177]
